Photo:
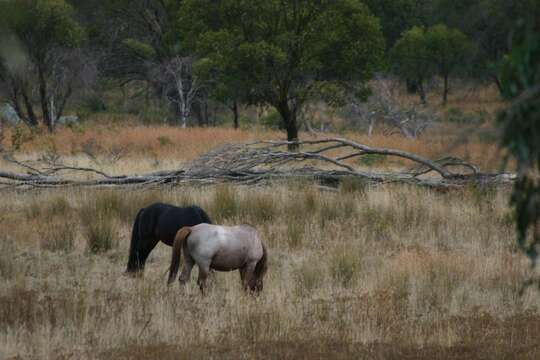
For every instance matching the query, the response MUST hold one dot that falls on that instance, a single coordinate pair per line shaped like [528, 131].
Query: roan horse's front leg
[201, 281]
[186, 269]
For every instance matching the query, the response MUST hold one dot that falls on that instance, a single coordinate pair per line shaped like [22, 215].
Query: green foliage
[410, 58]
[520, 83]
[42, 24]
[447, 48]
[279, 49]
[396, 16]
[140, 48]
[420, 53]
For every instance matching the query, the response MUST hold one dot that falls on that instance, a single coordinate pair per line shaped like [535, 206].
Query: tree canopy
[283, 52]
[520, 84]
[42, 31]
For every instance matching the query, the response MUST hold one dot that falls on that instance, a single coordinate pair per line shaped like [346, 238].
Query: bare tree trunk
[29, 117]
[234, 109]
[371, 126]
[288, 116]
[422, 92]
[32, 119]
[445, 91]
[44, 100]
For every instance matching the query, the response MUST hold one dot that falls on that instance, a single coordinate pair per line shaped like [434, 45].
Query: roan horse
[222, 248]
[159, 222]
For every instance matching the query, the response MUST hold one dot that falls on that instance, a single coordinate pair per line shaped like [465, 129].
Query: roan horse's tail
[179, 239]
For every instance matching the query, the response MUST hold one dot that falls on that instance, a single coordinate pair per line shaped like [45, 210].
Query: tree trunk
[497, 82]
[422, 93]
[32, 119]
[234, 109]
[44, 100]
[412, 86]
[288, 116]
[445, 92]
[371, 126]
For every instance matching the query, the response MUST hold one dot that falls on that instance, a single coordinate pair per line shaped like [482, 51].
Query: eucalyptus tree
[41, 41]
[282, 53]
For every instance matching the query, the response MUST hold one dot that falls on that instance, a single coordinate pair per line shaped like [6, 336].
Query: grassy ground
[383, 272]
[125, 149]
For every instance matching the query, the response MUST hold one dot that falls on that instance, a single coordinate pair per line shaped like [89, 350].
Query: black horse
[159, 222]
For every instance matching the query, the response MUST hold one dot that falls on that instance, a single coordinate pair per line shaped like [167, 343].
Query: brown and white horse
[222, 248]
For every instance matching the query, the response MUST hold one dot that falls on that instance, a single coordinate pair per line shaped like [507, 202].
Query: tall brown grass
[420, 272]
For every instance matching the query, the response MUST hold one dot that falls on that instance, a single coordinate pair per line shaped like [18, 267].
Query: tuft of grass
[225, 203]
[58, 235]
[308, 276]
[33, 210]
[7, 265]
[353, 185]
[344, 266]
[336, 208]
[371, 159]
[295, 233]
[97, 216]
[258, 208]
[59, 206]
[100, 234]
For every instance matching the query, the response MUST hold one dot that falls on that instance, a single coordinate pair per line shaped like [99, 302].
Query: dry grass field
[364, 272]
[378, 272]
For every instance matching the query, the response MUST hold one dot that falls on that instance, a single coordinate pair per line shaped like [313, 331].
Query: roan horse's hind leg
[246, 274]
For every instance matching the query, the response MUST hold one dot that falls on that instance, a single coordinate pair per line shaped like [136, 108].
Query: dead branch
[324, 160]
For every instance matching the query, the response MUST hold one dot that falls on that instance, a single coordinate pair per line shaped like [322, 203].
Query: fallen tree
[325, 160]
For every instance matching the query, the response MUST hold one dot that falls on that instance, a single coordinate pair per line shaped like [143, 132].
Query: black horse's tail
[137, 234]
[204, 216]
